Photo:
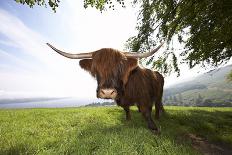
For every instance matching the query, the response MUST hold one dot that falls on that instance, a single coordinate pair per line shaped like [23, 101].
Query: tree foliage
[98, 4]
[52, 3]
[103, 4]
[229, 76]
[203, 26]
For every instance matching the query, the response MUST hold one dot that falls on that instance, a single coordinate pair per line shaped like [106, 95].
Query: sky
[29, 68]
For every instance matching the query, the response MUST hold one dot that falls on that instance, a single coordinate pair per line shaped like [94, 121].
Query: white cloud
[54, 74]
[7, 43]
[90, 29]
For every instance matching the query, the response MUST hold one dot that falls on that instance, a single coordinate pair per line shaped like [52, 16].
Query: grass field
[103, 130]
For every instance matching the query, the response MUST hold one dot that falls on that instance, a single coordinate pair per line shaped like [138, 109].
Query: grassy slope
[206, 94]
[217, 86]
[103, 130]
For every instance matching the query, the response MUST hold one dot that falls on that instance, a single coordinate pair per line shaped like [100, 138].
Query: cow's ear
[131, 64]
[86, 64]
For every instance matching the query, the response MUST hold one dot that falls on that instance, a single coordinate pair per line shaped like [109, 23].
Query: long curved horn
[143, 55]
[71, 56]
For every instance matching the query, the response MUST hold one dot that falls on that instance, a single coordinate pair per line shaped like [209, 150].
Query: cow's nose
[108, 93]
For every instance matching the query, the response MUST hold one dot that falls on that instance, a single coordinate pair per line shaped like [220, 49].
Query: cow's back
[139, 85]
[159, 79]
[158, 84]
[143, 85]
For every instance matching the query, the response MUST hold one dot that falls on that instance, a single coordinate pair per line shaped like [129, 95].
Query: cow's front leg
[127, 110]
[146, 112]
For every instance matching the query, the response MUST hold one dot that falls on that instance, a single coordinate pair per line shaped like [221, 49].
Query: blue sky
[28, 67]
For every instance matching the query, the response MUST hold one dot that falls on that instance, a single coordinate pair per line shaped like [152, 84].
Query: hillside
[209, 89]
[103, 130]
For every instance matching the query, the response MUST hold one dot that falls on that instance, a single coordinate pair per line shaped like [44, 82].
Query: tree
[180, 98]
[204, 27]
[199, 100]
[98, 4]
[229, 76]
[207, 102]
[174, 98]
[52, 3]
[170, 98]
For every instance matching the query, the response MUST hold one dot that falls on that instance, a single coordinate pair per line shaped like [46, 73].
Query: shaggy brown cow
[120, 78]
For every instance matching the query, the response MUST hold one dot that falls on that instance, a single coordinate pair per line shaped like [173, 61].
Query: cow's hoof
[156, 132]
[157, 117]
[128, 119]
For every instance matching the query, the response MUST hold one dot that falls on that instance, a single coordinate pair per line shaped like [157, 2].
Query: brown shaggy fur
[135, 85]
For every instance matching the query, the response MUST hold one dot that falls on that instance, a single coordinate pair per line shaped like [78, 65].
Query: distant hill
[209, 89]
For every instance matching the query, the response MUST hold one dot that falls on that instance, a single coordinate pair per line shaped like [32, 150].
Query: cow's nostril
[107, 93]
[102, 92]
[112, 92]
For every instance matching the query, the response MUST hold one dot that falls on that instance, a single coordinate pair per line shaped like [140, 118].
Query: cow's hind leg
[146, 112]
[139, 109]
[127, 110]
[159, 109]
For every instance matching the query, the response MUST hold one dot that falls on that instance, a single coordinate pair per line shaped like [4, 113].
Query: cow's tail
[159, 85]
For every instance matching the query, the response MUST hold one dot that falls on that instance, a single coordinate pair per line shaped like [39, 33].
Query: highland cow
[120, 78]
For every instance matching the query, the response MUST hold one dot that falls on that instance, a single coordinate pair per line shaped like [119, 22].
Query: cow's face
[111, 69]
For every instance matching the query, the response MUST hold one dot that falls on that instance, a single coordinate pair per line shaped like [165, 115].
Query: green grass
[207, 94]
[103, 130]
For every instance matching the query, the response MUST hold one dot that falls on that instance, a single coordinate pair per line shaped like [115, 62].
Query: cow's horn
[71, 56]
[143, 55]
